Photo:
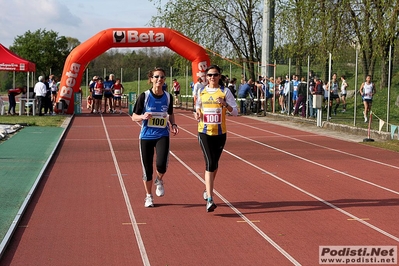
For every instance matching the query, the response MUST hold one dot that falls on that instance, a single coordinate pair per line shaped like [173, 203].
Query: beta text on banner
[363, 255]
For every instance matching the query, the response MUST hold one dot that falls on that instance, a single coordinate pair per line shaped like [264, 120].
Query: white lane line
[317, 198]
[257, 229]
[318, 164]
[291, 185]
[136, 229]
[317, 145]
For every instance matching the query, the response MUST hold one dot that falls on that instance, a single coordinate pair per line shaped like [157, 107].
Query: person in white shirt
[40, 92]
[344, 85]
[197, 87]
[367, 90]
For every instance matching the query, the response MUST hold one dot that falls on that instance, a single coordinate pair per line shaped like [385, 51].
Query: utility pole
[267, 37]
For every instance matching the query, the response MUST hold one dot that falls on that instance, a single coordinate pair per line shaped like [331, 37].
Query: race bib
[117, 92]
[212, 115]
[158, 120]
[98, 92]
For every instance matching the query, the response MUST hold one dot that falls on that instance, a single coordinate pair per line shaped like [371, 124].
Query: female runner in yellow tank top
[212, 103]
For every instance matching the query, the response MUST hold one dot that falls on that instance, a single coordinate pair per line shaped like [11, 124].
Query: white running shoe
[148, 202]
[205, 195]
[160, 191]
[365, 119]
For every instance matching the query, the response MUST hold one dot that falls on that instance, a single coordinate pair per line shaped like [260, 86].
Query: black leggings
[147, 150]
[212, 147]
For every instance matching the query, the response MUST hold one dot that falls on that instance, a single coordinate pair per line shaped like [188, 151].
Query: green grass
[42, 121]
[392, 145]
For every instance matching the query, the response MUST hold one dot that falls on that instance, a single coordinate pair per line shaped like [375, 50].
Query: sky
[80, 19]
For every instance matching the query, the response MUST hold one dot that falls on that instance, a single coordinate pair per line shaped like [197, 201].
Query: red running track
[281, 193]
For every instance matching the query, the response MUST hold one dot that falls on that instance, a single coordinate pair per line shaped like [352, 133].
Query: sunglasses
[213, 74]
[156, 77]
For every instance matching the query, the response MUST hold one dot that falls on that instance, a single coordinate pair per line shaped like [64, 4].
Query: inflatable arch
[126, 37]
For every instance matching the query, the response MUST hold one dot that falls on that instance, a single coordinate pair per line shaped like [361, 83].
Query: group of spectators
[110, 89]
[45, 92]
[292, 95]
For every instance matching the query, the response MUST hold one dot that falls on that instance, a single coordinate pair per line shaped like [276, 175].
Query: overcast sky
[79, 19]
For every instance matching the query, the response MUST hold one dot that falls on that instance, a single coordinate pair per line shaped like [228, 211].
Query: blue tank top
[157, 126]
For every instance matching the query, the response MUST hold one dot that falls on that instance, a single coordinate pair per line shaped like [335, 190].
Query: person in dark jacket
[11, 98]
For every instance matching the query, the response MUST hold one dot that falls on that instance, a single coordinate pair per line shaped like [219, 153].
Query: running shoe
[205, 195]
[148, 202]
[160, 191]
[210, 206]
[365, 119]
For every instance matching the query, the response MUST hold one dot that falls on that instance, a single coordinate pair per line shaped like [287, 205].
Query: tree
[45, 48]
[72, 43]
[230, 28]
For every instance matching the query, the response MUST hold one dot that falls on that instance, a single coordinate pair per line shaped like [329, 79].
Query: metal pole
[187, 87]
[329, 87]
[356, 77]
[121, 75]
[307, 90]
[275, 88]
[389, 86]
[87, 81]
[171, 78]
[138, 81]
[289, 87]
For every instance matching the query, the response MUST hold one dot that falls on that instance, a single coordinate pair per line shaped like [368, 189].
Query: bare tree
[230, 28]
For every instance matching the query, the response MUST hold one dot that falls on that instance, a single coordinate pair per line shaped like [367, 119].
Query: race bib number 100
[158, 120]
[212, 115]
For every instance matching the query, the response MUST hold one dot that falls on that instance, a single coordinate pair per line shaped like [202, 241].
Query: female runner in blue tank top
[154, 108]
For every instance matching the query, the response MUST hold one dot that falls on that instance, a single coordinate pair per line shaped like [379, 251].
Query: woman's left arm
[231, 103]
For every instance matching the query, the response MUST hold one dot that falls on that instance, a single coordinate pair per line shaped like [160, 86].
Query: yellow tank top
[214, 115]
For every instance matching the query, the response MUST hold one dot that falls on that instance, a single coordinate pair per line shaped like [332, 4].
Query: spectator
[344, 85]
[367, 90]
[233, 87]
[301, 101]
[98, 95]
[108, 96]
[295, 83]
[197, 87]
[48, 105]
[332, 87]
[312, 91]
[11, 98]
[118, 89]
[54, 90]
[244, 91]
[271, 95]
[176, 91]
[284, 96]
[92, 84]
[40, 90]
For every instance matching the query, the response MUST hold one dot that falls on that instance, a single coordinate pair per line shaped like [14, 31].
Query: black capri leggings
[147, 149]
[212, 147]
